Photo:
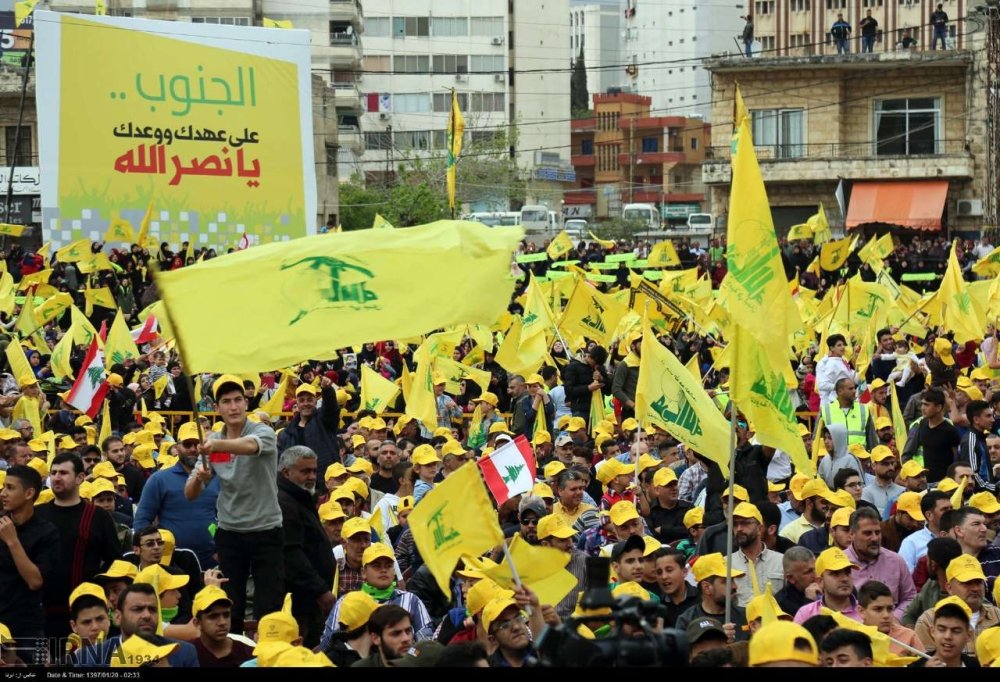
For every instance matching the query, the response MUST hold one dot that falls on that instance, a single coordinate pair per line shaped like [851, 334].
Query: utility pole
[991, 17]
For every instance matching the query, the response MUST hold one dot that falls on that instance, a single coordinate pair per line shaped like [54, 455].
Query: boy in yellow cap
[710, 576]
[88, 614]
[350, 642]
[783, 645]
[951, 636]
[212, 610]
[834, 571]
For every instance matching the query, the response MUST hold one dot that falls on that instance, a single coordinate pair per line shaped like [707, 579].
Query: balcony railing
[844, 150]
[343, 39]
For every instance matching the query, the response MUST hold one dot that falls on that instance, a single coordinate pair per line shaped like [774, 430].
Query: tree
[579, 99]
[412, 203]
[358, 204]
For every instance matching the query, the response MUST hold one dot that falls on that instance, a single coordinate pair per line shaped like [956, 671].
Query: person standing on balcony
[939, 20]
[869, 29]
[748, 36]
[841, 32]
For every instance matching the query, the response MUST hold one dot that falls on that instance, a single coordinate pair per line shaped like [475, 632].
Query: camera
[632, 640]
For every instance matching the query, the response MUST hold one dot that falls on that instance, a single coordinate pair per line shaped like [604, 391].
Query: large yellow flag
[668, 395]
[833, 255]
[759, 391]
[456, 129]
[9, 230]
[102, 297]
[456, 518]
[119, 230]
[819, 226]
[521, 356]
[324, 292]
[455, 372]
[94, 262]
[119, 345]
[663, 255]
[537, 318]
[421, 404]
[541, 569]
[144, 226]
[81, 329]
[591, 314]
[800, 231]
[377, 392]
[71, 253]
[19, 365]
[7, 302]
[105, 432]
[988, 265]
[960, 316]
[28, 408]
[559, 246]
[898, 423]
[52, 307]
[59, 362]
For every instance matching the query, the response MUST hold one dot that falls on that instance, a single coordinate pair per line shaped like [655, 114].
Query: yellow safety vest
[856, 421]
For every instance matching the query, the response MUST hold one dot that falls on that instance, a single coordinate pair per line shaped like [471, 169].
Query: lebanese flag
[509, 470]
[88, 392]
[147, 332]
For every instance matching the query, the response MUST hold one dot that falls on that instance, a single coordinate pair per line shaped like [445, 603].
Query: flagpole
[513, 571]
[729, 520]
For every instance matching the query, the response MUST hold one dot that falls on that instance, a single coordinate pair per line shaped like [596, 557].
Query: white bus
[642, 213]
[495, 218]
[539, 219]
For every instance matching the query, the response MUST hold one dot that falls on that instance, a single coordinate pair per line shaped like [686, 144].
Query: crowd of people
[244, 535]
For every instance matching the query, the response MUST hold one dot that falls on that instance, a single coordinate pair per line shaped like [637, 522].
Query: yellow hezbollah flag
[988, 265]
[19, 365]
[604, 243]
[22, 10]
[421, 404]
[105, 432]
[759, 391]
[668, 395]
[119, 230]
[833, 255]
[71, 253]
[455, 372]
[663, 255]
[377, 392]
[277, 23]
[102, 297]
[381, 223]
[7, 302]
[119, 345]
[957, 310]
[559, 246]
[456, 518]
[456, 129]
[144, 226]
[591, 314]
[321, 292]
[898, 423]
[94, 262]
[537, 318]
[541, 569]
[81, 329]
[521, 356]
[28, 408]
[800, 231]
[9, 230]
[52, 308]
[60, 357]
[99, 8]
[819, 226]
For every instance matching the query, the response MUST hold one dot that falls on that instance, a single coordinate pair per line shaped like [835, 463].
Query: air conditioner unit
[497, 40]
[970, 207]
[499, 77]
[383, 116]
[461, 78]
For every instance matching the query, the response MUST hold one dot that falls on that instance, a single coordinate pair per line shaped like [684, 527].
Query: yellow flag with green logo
[421, 403]
[988, 265]
[81, 329]
[603, 243]
[521, 356]
[7, 302]
[833, 255]
[800, 231]
[667, 394]
[456, 372]
[277, 23]
[541, 569]
[59, 362]
[105, 431]
[758, 388]
[959, 315]
[28, 408]
[377, 392]
[102, 297]
[559, 246]
[19, 365]
[819, 226]
[9, 230]
[537, 318]
[455, 132]
[591, 314]
[332, 291]
[71, 253]
[455, 518]
[144, 226]
[95, 262]
[119, 230]
[22, 10]
[119, 345]
[663, 255]
[381, 223]
[52, 308]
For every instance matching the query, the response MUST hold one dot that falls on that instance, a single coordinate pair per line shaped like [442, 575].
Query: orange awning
[916, 204]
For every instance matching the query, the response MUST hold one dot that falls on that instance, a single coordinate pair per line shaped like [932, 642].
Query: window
[486, 101]
[483, 136]
[451, 63]
[413, 139]
[411, 63]
[906, 126]
[379, 141]
[780, 131]
[650, 144]
[377, 27]
[486, 26]
[442, 101]
[586, 147]
[411, 103]
[486, 63]
[23, 146]
[410, 27]
[331, 160]
[224, 21]
[694, 143]
[447, 26]
[379, 64]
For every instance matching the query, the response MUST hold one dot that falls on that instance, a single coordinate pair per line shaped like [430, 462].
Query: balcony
[583, 125]
[347, 96]
[583, 160]
[350, 137]
[651, 122]
[348, 10]
[651, 158]
[853, 160]
[345, 49]
[580, 196]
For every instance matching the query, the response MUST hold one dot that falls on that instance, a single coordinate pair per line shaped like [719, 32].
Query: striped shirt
[423, 628]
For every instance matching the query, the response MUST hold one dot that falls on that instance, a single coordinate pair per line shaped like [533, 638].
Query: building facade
[595, 32]
[802, 27]
[903, 131]
[624, 155]
[506, 61]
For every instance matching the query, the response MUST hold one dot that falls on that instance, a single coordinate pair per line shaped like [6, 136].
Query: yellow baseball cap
[99, 486]
[953, 601]
[739, 492]
[498, 427]
[554, 526]
[39, 465]
[942, 348]
[664, 477]
[335, 470]
[9, 434]
[745, 510]
[120, 569]
[87, 590]
[630, 424]
[877, 384]
[553, 469]
[712, 566]
[406, 502]
[541, 437]
[880, 453]
[301, 657]
[143, 456]
[833, 559]
[883, 423]
[841, 498]
[494, 609]
[911, 469]
[534, 379]
[947, 485]
[153, 427]
[376, 551]
[277, 627]
[647, 461]
[756, 605]
[342, 493]
[562, 422]
[859, 451]
[776, 643]
[38, 445]
[631, 589]
[136, 652]
[979, 374]
[355, 609]
[357, 440]
[482, 593]
[909, 502]
[424, 454]
[452, 447]
[487, 397]
[45, 496]
[695, 516]
[116, 380]
[188, 431]
[225, 380]
[161, 578]
[354, 526]
[988, 646]
[623, 512]
[67, 443]
[576, 423]
[543, 490]
[965, 568]
[207, 597]
[356, 486]
[841, 517]
[796, 484]
[331, 511]
[985, 502]
[306, 388]
[775, 487]
[815, 487]
[361, 466]
[611, 470]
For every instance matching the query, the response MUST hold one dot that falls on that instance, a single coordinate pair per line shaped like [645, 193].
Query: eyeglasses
[529, 521]
[507, 624]
[91, 459]
[153, 543]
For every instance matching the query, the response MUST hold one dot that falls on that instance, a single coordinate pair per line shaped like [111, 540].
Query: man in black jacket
[581, 379]
[317, 434]
[121, 402]
[309, 563]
